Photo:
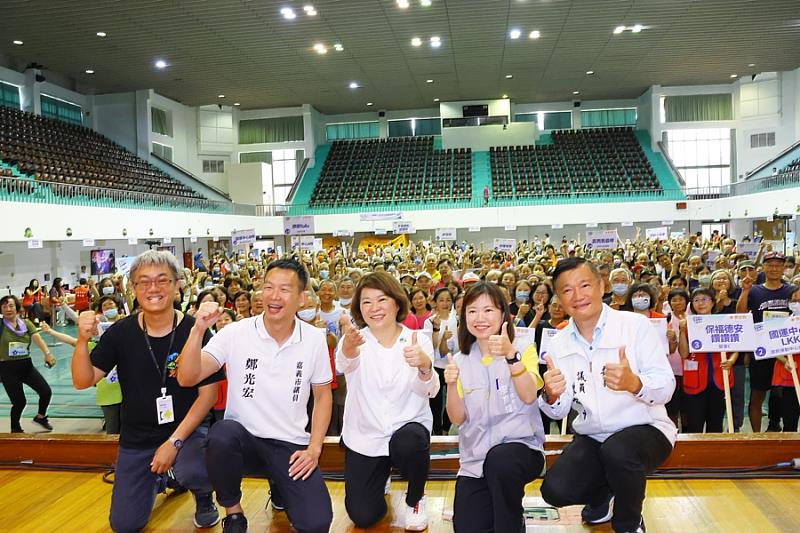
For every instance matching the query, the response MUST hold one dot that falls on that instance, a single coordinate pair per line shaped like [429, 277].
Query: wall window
[271, 130]
[412, 127]
[160, 121]
[547, 120]
[352, 130]
[213, 166]
[697, 108]
[285, 164]
[604, 118]
[61, 110]
[702, 157]
[9, 95]
[762, 140]
[163, 151]
[255, 157]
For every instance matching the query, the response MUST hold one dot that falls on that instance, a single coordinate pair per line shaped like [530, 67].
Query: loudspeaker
[576, 103]
[381, 114]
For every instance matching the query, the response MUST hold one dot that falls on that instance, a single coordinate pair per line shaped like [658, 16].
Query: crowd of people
[253, 358]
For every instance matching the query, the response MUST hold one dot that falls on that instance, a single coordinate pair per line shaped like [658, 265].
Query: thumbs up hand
[450, 371]
[554, 382]
[415, 357]
[619, 376]
[500, 345]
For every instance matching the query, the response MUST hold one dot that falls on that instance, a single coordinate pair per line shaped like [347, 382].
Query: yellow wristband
[518, 374]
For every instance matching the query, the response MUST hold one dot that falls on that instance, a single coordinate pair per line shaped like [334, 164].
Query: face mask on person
[794, 307]
[323, 274]
[307, 315]
[345, 301]
[215, 271]
[242, 262]
[619, 289]
[108, 291]
[641, 303]
[111, 314]
[522, 296]
[617, 263]
[704, 280]
[207, 285]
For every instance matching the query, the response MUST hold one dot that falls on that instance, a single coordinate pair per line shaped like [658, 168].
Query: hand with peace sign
[620, 377]
[415, 357]
[352, 339]
[500, 345]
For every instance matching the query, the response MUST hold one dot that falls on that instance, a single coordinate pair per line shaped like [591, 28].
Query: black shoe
[17, 430]
[206, 514]
[43, 422]
[172, 483]
[277, 504]
[234, 523]
[599, 514]
[640, 529]
[774, 428]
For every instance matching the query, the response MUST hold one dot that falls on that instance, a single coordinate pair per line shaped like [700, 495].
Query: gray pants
[135, 486]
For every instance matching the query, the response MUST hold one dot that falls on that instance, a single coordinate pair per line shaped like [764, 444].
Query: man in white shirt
[273, 362]
[610, 367]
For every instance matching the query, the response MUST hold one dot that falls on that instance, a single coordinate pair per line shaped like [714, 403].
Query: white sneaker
[388, 488]
[416, 517]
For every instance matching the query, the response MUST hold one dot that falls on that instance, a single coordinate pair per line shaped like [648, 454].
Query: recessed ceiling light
[370, 104]
[589, 72]
[321, 50]
[308, 8]
[425, 3]
[435, 39]
[619, 29]
[435, 99]
[509, 76]
[220, 96]
[514, 34]
[288, 13]
[436, 42]
[18, 43]
[416, 41]
[89, 71]
[428, 81]
[734, 75]
[637, 28]
[353, 85]
[535, 34]
[319, 46]
[237, 104]
[751, 64]
[338, 47]
[161, 64]
[312, 13]
[402, 4]
[576, 92]
[505, 96]
[101, 34]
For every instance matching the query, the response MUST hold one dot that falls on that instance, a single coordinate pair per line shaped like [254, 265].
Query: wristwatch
[178, 443]
[514, 359]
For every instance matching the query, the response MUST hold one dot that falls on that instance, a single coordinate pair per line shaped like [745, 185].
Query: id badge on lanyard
[164, 410]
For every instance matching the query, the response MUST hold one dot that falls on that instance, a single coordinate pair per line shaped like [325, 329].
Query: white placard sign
[676, 234]
[445, 234]
[298, 225]
[660, 233]
[124, 264]
[510, 228]
[601, 240]
[667, 222]
[711, 257]
[722, 333]
[342, 233]
[307, 242]
[778, 337]
[557, 226]
[660, 325]
[193, 239]
[591, 225]
[215, 238]
[627, 224]
[242, 237]
[474, 229]
[547, 336]
[381, 231]
[750, 249]
[166, 240]
[134, 241]
[505, 245]
[88, 242]
[34, 244]
[403, 228]
[523, 337]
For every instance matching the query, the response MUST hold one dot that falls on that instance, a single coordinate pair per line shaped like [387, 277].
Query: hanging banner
[342, 233]
[722, 333]
[88, 242]
[166, 240]
[298, 225]
[445, 234]
[34, 244]
[242, 237]
[403, 228]
[510, 228]
[388, 215]
[134, 241]
[601, 240]
[474, 229]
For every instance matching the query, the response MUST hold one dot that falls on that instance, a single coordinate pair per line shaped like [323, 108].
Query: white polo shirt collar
[295, 338]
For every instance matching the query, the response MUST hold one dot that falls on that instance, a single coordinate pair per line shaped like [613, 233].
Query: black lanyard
[162, 373]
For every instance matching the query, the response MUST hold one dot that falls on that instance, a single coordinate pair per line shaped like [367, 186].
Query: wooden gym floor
[52, 501]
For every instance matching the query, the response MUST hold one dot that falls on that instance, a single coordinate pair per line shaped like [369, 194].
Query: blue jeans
[135, 486]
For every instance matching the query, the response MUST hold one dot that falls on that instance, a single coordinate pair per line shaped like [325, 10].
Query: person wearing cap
[424, 281]
[469, 278]
[767, 301]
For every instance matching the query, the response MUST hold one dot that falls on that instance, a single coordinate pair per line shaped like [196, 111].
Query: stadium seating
[53, 158]
[406, 169]
[594, 161]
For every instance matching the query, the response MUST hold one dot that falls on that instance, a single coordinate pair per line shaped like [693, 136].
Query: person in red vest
[82, 296]
[703, 398]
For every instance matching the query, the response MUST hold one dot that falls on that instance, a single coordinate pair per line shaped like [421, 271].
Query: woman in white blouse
[387, 418]
[442, 327]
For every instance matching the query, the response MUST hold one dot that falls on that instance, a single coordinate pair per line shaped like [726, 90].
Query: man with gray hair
[161, 421]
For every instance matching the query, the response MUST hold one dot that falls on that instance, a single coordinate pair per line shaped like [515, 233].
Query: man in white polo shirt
[273, 362]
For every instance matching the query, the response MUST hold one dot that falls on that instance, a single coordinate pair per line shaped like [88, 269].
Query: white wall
[115, 117]
[481, 138]
[250, 183]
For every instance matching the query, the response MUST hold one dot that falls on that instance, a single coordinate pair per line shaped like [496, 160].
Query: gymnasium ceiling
[246, 50]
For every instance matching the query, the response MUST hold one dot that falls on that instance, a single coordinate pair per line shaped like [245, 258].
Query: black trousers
[14, 374]
[232, 451]
[441, 422]
[493, 503]
[588, 471]
[790, 410]
[704, 411]
[365, 477]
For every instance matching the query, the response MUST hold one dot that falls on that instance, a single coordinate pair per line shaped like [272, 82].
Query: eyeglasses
[702, 301]
[146, 283]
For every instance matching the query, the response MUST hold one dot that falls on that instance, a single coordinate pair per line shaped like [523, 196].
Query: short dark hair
[675, 277]
[571, 263]
[8, 297]
[230, 278]
[201, 295]
[441, 290]
[678, 292]
[388, 285]
[293, 265]
[640, 287]
[98, 307]
[411, 294]
[700, 291]
[475, 291]
[444, 260]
